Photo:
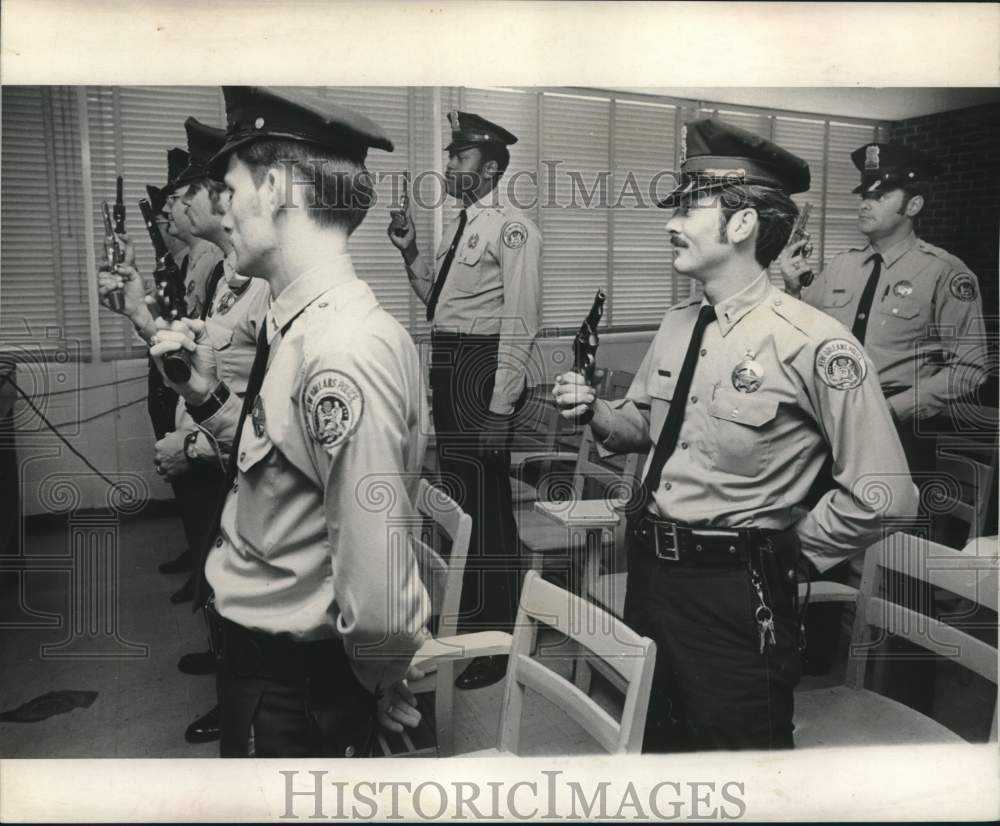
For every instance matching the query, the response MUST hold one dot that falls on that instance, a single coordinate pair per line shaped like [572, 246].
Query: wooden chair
[443, 581]
[629, 655]
[852, 715]
[966, 488]
[548, 531]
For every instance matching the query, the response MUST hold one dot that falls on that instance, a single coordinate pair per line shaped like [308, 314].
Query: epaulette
[944, 255]
[806, 319]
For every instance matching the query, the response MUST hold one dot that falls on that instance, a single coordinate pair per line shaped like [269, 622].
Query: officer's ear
[272, 189]
[489, 170]
[741, 225]
[914, 205]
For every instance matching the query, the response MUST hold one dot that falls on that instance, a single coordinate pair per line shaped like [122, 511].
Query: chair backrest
[971, 577]
[442, 578]
[628, 654]
[965, 487]
[613, 475]
[616, 384]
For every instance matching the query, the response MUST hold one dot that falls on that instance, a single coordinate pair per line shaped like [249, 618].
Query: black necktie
[210, 288]
[254, 382]
[667, 440]
[443, 274]
[865, 305]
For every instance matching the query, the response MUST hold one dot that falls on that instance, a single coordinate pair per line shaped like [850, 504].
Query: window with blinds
[130, 130]
[44, 307]
[582, 170]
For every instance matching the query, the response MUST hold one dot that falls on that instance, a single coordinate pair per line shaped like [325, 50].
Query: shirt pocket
[837, 298]
[256, 499]
[466, 275]
[742, 432]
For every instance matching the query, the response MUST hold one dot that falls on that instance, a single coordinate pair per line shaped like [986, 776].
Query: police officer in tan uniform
[483, 297]
[915, 307]
[318, 605]
[919, 313]
[739, 399]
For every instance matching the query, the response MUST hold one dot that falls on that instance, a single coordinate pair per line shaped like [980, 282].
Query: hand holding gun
[795, 270]
[112, 247]
[169, 293]
[585, 347]
[400, 217]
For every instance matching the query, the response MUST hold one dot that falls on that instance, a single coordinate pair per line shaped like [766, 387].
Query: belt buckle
[672, 554]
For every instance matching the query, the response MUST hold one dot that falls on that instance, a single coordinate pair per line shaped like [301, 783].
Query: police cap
[256, 113]
[888, 166]
[716, 154]
[468, 130]
[203, 142]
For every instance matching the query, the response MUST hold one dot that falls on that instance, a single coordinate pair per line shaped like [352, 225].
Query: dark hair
[776, 214]
[343, 188]
[494, 152]
[215, 188]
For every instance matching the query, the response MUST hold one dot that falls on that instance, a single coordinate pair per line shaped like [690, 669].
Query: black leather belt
[257, 653]
[676, 543]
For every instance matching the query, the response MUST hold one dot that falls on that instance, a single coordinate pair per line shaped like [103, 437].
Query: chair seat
[485, 753]
[843, 716]
[540, 534]
[523, 493]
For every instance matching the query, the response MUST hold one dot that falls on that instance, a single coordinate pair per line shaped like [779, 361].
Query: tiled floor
[144, 703]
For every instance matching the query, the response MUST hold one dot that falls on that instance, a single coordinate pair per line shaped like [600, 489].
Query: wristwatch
[189, 450]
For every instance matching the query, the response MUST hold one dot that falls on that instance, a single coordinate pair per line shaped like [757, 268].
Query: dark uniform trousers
[284, 698]
[712, 687]
[461, 376]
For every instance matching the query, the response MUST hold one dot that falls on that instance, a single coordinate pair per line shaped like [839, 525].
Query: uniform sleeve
[629, 431]
[421, 274]
[520, 257]
[223, 423]
[356, 418]
[869, 468]
[958, 314]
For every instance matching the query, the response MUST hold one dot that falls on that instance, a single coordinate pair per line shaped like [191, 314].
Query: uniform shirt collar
[891, 255]
[477, 208]
[307, 288]
[729, 311]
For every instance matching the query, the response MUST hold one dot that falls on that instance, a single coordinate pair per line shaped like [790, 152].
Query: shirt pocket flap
[469, 255]
[662, 384]
[253, 448]
[218, 336]
[833, 298]
[743, 408]
[900, 309]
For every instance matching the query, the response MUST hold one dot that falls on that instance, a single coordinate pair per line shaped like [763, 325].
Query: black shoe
[205, 729]
[201, 663]
[185, 594]
[481, 672]
[180, 565]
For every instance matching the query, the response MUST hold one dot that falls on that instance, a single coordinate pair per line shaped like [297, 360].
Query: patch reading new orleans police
[515, 234]
[840, 364]
[332, 404]
[963, 287]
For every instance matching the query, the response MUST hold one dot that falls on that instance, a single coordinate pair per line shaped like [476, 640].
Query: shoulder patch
[963, 286]
[841, 364]
[515, 234]
[332, 404]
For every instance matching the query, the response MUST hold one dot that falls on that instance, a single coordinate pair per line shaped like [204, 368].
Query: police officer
[318, 606]
[483, 295]
[739, 400]
[919, 313]
[916, 308]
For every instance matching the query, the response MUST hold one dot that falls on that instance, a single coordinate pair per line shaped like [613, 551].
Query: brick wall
[963, 215]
